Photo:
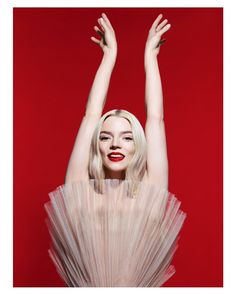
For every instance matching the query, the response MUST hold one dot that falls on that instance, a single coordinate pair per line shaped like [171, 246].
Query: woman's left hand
[155, 33]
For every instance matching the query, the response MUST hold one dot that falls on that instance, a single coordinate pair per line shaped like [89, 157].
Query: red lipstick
[115, 156]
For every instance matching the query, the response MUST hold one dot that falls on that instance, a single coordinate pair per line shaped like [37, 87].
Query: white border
[6, 117]
[6, 161]
[116, 3]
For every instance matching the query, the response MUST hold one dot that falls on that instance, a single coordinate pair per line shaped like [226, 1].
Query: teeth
[113, 155]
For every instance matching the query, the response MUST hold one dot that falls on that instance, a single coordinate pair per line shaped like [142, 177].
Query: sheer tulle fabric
[125, 237]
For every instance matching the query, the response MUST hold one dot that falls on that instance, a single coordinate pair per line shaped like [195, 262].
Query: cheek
[103, 149]
[130, 149]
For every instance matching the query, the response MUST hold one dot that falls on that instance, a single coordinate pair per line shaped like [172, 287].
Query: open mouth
[115, 156]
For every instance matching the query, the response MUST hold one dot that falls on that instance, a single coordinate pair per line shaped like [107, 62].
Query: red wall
[54, 65]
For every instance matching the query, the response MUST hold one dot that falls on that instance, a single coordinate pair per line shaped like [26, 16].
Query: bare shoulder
[151, 180]
[147, 179]
[76, 177]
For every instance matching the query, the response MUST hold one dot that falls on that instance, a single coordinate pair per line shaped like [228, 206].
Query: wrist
[109, 58]
[149, 57]
[110, 53]
[150, 53]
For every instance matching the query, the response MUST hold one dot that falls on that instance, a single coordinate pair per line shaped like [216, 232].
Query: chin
[115, 167]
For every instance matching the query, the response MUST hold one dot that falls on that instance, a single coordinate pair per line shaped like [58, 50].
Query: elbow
[155, 117]
[92, 116]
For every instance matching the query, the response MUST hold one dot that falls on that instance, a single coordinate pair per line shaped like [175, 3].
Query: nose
[115, 144]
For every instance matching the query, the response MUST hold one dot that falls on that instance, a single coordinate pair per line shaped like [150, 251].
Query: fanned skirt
[113, 233]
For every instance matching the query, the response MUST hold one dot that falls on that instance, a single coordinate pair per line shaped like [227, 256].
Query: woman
[157, 163]
[127, 236]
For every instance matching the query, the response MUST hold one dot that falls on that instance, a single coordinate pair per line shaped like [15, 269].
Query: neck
[110, 174]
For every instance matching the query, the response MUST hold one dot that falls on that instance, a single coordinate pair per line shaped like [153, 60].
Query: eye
[128, 138]
[104, 138]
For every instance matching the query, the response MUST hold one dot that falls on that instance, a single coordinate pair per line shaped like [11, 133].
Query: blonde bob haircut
[137, 167]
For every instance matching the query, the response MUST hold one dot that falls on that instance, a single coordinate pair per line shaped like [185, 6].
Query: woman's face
[116, 146]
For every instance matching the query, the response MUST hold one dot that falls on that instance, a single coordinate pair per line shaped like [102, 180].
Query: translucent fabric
[113, 233]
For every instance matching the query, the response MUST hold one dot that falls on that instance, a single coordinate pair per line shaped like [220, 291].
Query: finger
[103, 24]
[107, 20]
[164, 29]
[95, 40]
[156, 22]
[102, 41]
[100, 23]
[161, 25]
[98, 31]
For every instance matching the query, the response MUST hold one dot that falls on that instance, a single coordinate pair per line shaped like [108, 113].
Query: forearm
[98, 92]
[153, 88]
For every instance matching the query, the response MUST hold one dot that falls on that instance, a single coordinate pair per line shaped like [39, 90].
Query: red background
[54, 65]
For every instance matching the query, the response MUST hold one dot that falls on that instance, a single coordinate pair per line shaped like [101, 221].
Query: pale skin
[116, 136]
[116, 140]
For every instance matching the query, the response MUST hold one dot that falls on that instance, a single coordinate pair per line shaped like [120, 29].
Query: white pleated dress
[124, 237]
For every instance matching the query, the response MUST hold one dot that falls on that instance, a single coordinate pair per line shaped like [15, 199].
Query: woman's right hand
[108, 39]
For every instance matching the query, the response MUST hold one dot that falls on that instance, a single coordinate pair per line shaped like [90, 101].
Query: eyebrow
[110, 133]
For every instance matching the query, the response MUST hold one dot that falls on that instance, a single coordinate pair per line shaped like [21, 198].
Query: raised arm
[157, 161]
[78, 164]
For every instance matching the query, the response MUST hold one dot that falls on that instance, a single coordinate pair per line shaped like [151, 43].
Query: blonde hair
[137, 167]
